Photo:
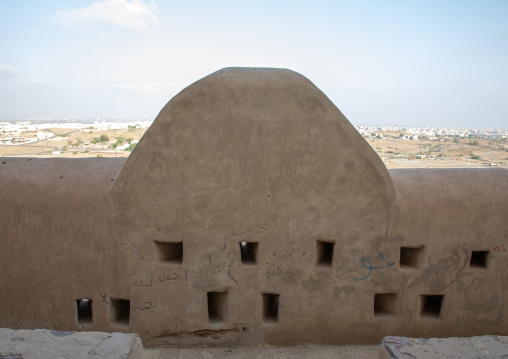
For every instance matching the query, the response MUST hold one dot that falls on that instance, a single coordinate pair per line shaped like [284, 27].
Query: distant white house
[122, 147]
[44, 135]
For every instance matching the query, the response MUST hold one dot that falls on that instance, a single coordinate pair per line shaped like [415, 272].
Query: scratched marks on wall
[135, 277]
[118, 249]
[146, 306]
[500, 249]
[168, 277]
[286, 264]
[144, 280]
[247, 233]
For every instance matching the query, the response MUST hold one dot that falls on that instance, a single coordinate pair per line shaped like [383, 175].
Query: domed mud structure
[252, 213]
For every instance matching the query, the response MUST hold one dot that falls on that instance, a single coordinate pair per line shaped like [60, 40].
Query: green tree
[131, 147]
[102, 138]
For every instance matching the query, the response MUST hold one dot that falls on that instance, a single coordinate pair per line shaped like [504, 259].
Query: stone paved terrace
[300, 352]
[43, 343]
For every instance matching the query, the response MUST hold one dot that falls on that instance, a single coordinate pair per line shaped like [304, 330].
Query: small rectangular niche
[84, 308]
[249, 252]
[170, 252]
[479, 259]
[217, 306]
[324, 253]
[270, 307]
[431, 306]
[385, 304]
[120, 311]
[410, 257]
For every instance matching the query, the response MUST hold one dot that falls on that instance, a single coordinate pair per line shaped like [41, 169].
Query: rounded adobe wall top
[255, 147]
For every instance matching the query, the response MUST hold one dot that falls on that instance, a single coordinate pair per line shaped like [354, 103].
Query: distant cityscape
[397, 146]
[429, 133]
[406, 146]
[12, 131]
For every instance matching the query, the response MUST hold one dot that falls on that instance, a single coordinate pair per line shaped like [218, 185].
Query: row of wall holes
[119, 311]
[218, 303]
[217, 309]
[410, 257]
[172, 252]
[385, 305]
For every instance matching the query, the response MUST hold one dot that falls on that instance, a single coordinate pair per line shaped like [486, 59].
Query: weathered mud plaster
[252, 213]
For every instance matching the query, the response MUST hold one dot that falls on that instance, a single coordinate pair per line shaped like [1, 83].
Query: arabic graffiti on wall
[366, 263]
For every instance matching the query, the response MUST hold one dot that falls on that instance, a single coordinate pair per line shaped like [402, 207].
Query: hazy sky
[429, 63]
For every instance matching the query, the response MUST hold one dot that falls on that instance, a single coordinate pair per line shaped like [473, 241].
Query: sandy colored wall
[257, 156]
[448, 214]
[55, 222]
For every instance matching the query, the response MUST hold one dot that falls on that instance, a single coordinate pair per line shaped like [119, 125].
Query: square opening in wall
[410, 256]
[170, 252]
[120, 311]
[249, 252]
[431, 306]
[270, 307]
[385, 304]
[479, 259]
[217, 306]
[324, 253]
[84, 307]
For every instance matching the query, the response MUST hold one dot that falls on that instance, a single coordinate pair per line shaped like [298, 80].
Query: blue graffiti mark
[367, 264]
